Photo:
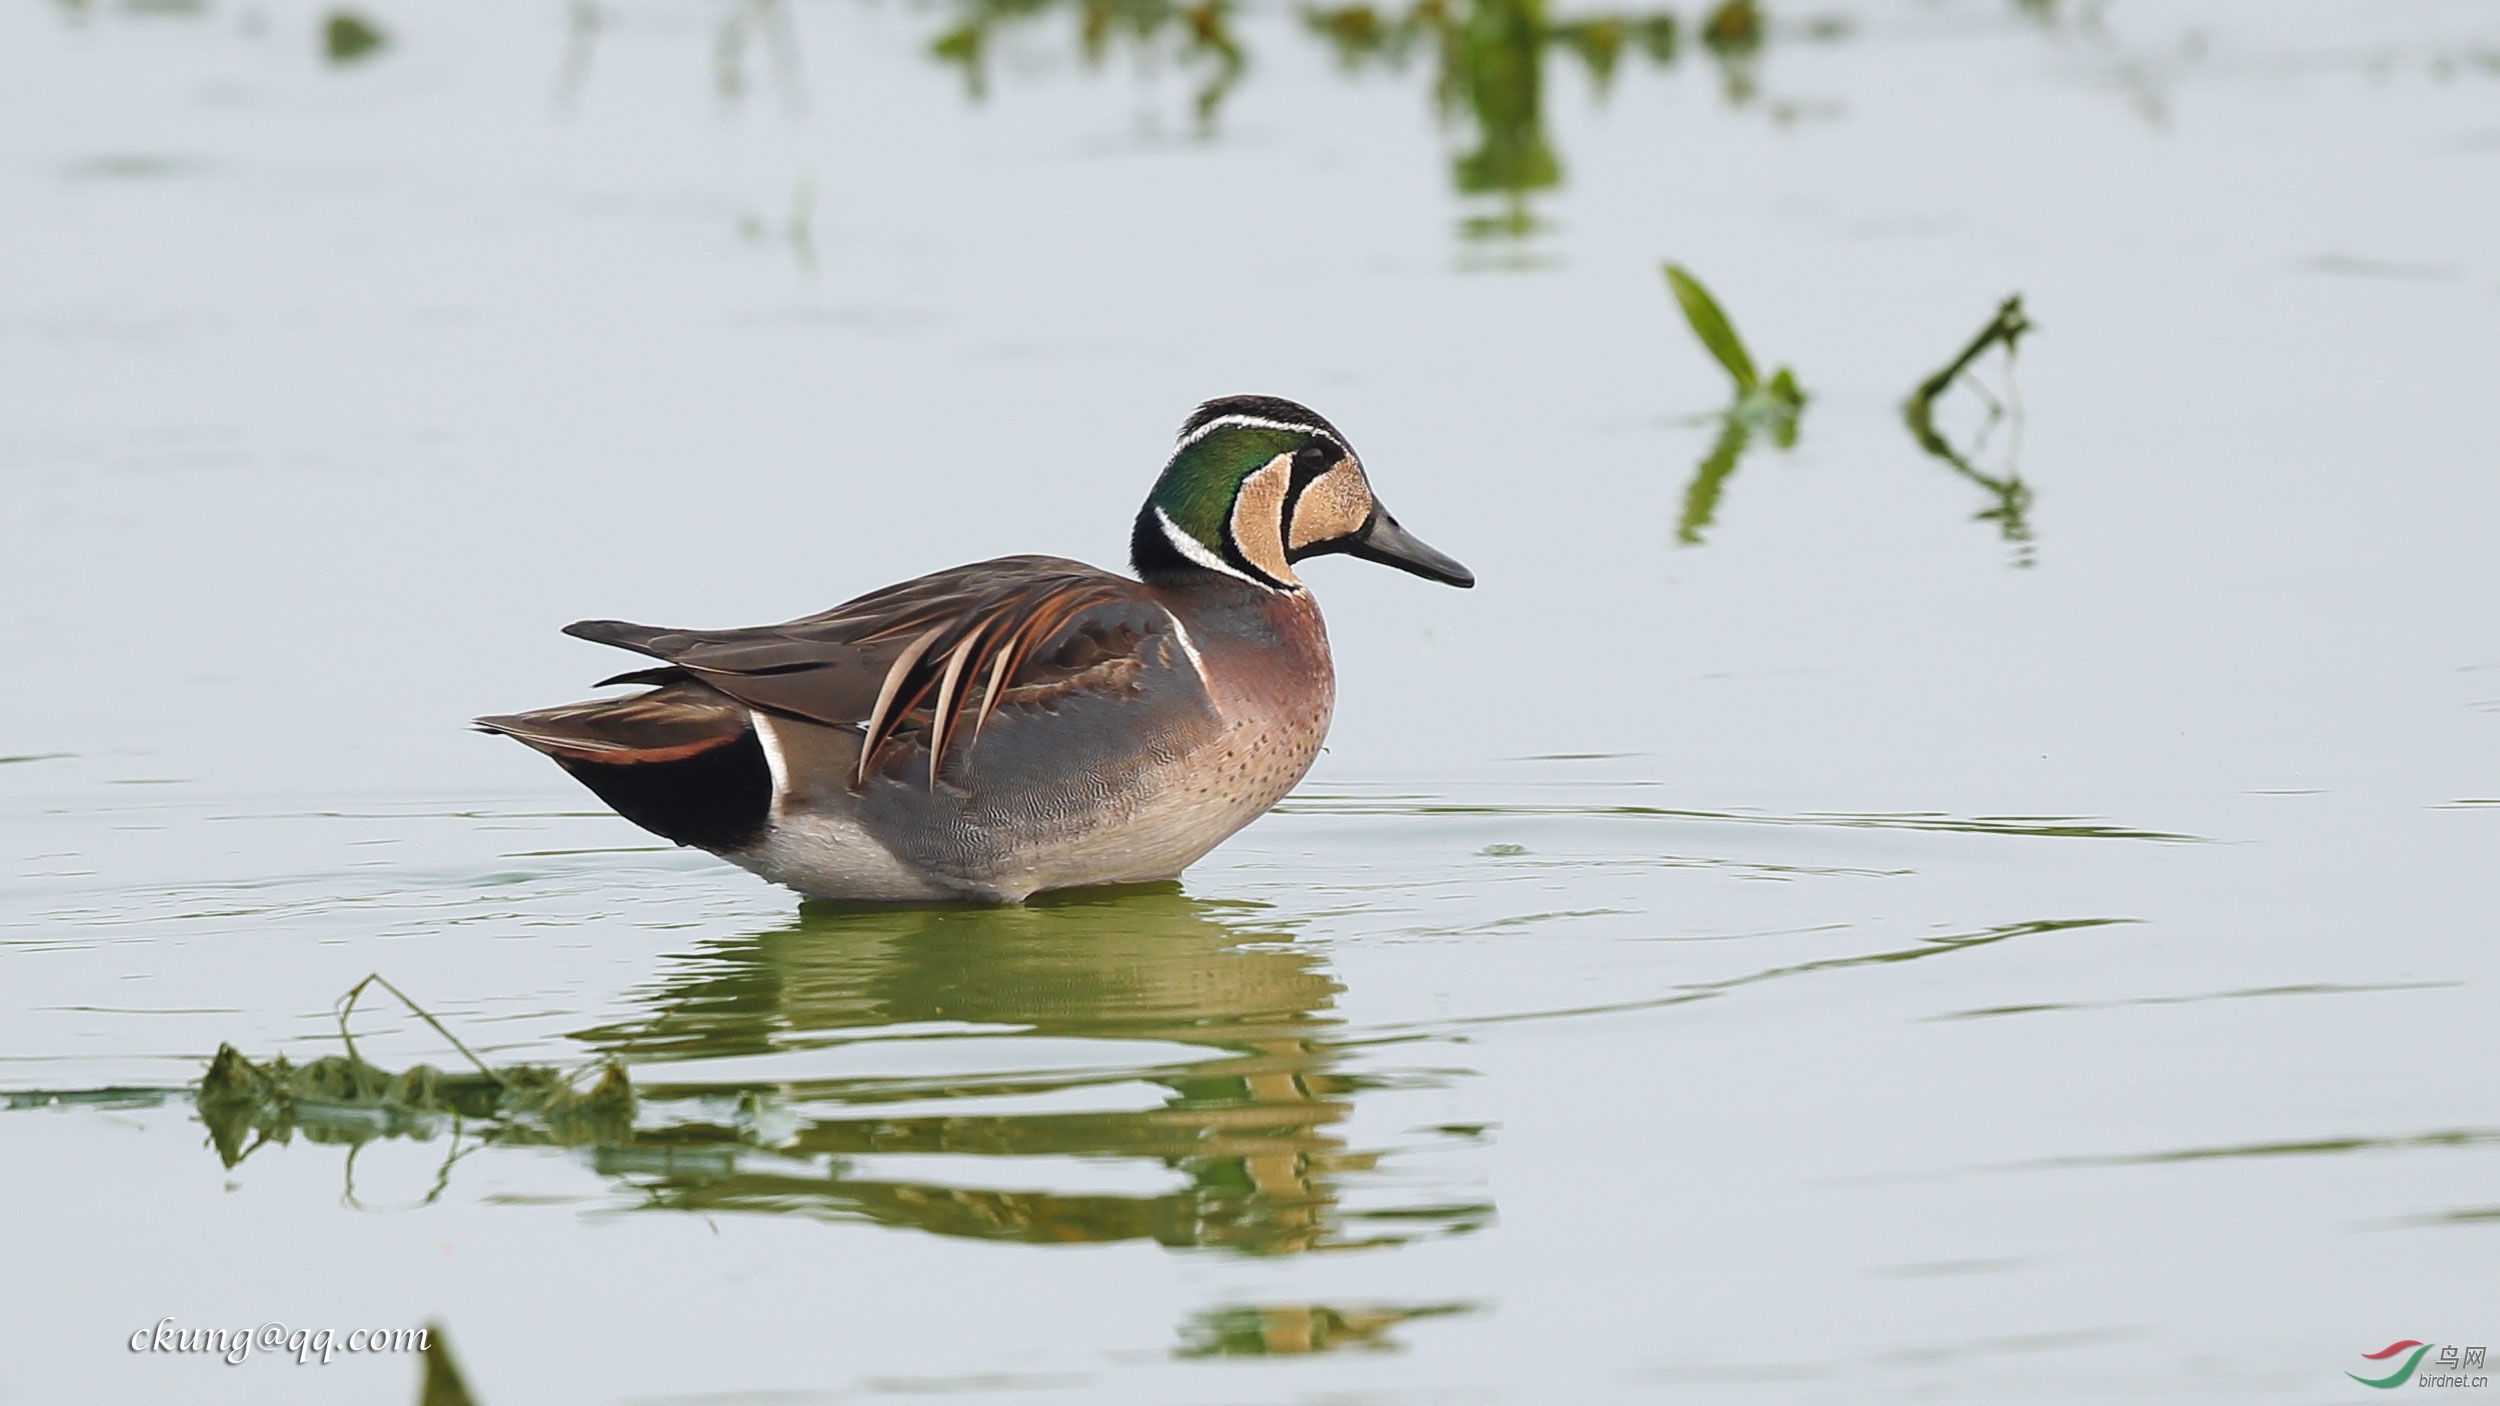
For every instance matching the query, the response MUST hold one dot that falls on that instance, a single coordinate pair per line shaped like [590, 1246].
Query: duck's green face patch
[1204, 478]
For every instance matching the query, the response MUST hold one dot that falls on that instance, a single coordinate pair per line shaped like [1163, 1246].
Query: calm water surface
[1837, 920]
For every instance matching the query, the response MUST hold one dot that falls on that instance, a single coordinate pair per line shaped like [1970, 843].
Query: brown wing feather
[670, 723]
[895, 659]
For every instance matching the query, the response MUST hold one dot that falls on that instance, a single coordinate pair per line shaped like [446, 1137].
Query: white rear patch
[773, 759]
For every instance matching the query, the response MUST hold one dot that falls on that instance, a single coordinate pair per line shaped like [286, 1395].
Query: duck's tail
[681, 760]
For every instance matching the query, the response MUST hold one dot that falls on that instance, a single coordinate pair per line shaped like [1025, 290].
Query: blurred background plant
[347, 37]
[1199, 36]
[2011, 496]
[1488, 59]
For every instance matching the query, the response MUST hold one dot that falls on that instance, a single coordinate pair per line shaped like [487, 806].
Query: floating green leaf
[1712, 327]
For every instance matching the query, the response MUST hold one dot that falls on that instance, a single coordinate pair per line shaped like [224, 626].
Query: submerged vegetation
[342, 1099]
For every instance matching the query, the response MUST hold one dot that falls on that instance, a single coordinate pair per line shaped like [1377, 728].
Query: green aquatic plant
[1292, 1330]
[1601, 41]
[1732, 34]
[1199, 34]
[442, 1384]
[1718, 335]
[1773, 406]
[347, 37]
[342, 1098]
[1489, 73]
[1734, 27]
[2012, 497]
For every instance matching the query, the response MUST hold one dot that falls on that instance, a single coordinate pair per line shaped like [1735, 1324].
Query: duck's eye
[1311, 461]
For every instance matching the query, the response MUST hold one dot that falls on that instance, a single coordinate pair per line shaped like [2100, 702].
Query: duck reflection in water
[1248, 1130]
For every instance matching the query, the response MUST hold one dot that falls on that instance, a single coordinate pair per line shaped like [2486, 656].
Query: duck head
[1256, 484]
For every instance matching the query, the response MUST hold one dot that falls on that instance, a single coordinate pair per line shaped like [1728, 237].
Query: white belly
[829, 856]
[1173, 816]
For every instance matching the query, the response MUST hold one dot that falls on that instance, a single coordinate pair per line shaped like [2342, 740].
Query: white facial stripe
[1258, 422]
[778, 764]
[1190, 647]
[1196, 551]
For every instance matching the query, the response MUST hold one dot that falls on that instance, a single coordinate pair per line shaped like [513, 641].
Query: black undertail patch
[717, 799]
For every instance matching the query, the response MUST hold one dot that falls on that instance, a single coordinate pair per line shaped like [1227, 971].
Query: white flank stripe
[1190, 647]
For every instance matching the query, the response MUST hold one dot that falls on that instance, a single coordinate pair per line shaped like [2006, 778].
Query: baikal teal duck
[992, 731]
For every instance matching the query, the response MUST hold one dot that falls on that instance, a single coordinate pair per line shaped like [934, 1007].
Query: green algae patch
[342, 1098]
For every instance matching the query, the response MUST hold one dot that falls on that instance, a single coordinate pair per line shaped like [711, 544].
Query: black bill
[1391, 545]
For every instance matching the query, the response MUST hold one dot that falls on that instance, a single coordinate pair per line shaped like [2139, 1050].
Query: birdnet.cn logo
[2455, 1366]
